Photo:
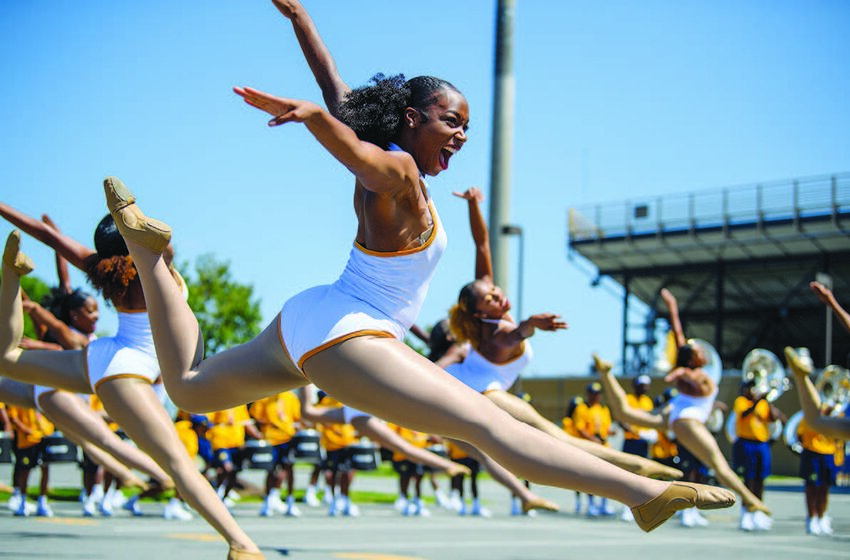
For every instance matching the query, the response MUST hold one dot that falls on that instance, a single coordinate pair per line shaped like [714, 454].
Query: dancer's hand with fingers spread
[546, 322]
[282, 109]
[472, 194]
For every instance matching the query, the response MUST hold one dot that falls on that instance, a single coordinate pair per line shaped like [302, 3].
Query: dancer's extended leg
[698, 440]
[363, 372]
[524, 412]
[529, 499]
[132, 403]
[832, 426]
[262, 366]
[64, 370]
[108, 462]
[618, 401]
[75, 415]
[381, 433]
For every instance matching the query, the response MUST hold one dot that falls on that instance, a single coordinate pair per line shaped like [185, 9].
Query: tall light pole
[514, 230]
[500, 163]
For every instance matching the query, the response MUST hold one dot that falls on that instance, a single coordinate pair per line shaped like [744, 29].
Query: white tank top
[134, 331]
[394, 283]
[479, 373]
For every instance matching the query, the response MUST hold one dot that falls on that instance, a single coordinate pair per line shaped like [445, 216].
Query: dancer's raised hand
[282, 109]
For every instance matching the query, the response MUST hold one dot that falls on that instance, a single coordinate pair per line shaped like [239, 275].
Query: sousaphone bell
[767, 373]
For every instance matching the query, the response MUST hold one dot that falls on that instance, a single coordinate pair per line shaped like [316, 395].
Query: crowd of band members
[822, 459]
[221, 442]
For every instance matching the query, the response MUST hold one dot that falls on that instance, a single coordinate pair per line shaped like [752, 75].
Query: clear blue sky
[614, 100]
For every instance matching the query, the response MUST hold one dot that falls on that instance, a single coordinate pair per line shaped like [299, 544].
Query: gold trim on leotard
[337, 340]
[122, 376]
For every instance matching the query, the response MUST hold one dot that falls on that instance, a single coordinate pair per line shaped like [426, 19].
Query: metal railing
[822, 196]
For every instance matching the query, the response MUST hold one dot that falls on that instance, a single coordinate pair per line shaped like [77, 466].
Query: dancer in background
[120, 369]
[497, 349]
[837, 427]
[686, 413]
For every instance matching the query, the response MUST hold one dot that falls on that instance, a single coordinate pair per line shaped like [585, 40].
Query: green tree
[227, 313]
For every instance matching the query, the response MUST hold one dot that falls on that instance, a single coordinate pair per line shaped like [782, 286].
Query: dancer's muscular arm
[61, 262]
[378, 170]
[64, 335]
[316, 53]
[826, 296]
[75, 252]
[675, 322]
[480, 233]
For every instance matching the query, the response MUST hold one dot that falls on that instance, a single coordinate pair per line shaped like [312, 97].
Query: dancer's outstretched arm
[378, 170]
[68, 338]
[832, 426]
[316, 53]
[826, 296]
[675, 321]
[76, 253]
[61, 262]
[480, 233]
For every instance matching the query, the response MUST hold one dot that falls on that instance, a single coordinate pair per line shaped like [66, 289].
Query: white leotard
[686, 406]
[130, 353]
[479, 373]
[377, 294]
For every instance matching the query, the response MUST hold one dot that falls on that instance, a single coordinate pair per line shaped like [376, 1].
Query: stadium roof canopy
[738, 260]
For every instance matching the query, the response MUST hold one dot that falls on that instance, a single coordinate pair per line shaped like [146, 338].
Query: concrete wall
[549, 397]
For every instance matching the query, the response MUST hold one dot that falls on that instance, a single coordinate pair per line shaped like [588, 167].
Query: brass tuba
[764, 369]
[833, 385]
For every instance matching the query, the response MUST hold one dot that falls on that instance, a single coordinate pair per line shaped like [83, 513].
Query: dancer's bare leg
[132, 403]
[524, 412]
[529, 499]
[16, 393]
[831, 426]
[618, 402]
[73, 414]
[698, 440]
[63, 370]
[363, 372]
[108, 462]
[379, 432]
[262, 364]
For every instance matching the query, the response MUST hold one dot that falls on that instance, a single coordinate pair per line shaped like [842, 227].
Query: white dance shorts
[695, 408]
[106, 358]
[321, 317]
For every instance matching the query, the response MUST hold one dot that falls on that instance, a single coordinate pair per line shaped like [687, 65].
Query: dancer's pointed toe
[602, 366]
[241, 554]
[540, 503]
[14, 258]
[679, 496]
[131, 222]
[456, 469]
[797, 364]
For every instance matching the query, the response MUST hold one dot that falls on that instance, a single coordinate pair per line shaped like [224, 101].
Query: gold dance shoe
[12, 255]
[602, 366]
[131, 222]
[457, 469]
[540, 503]
[798, 365]
[239, 554]
[678, 496]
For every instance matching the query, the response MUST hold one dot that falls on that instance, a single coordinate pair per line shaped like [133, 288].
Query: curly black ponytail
[374, 112]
